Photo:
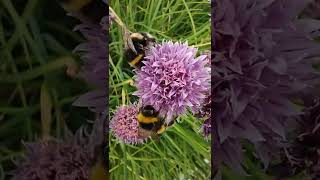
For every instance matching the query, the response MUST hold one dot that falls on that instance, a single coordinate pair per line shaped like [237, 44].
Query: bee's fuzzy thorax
[137, 36]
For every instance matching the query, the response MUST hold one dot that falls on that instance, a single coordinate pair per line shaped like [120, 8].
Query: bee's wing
[127, 41]
[145, 133]
[170, 123]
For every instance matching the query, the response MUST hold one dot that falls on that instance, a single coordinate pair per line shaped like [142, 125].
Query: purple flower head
[125, 125]
[205, 112]
[306, 149]
[262, 59]
[173, 79]
[206, 127]
[53, 160]
[94, 54]
[313, 9]
[303, 152]
[94, 70]
[67, 159]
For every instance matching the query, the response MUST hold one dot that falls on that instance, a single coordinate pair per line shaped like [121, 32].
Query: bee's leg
[161, 130]
[171, 122]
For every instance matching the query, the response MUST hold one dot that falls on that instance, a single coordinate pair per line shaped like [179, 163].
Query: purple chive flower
[313, 9]
[262, 59]
[54, 160]
[124, 125]
[206, 127]
[205, 112]
[303, 153]
[306, 148]
[67, 159]
[94, 55]
[173, 79]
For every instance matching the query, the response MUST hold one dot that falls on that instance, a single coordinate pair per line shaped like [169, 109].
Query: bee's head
[137, 36]
[148, 37]
[148, 111]
[142, 36]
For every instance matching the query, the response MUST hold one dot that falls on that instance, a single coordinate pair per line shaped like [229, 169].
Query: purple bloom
[94, 55]
[56, 159]
[306, 149]
[173, 79]
[125, 125]
[262, 59]
[313, 9]
[206, 127]
[303, 154]
[205, 112]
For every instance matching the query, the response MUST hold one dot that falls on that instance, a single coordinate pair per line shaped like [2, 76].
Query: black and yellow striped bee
[91, 10]
[150, 123]
[135, 46]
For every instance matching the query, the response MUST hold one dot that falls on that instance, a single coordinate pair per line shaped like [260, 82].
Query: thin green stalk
[19, 84]
[38, 71]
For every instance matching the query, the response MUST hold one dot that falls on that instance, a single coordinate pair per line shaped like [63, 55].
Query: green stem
[125, 31]
[129, 81]
[36, 72]
[117, 19]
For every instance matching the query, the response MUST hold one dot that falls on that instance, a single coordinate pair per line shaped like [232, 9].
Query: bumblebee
[150, 123]
[135, 46]
[91, 10]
